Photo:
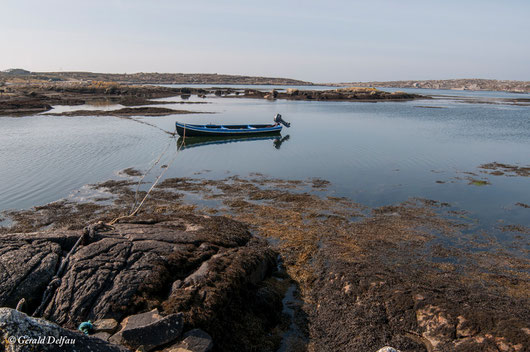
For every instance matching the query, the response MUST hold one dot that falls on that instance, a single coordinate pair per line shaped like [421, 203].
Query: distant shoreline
[34, 97]
[473, 84]
[21, 75]
[450, 84]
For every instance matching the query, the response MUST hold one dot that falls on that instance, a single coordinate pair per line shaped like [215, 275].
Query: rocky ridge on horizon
[453, 84]
[147, 78]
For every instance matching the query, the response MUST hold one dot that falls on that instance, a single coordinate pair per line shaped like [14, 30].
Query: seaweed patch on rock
[499, 169]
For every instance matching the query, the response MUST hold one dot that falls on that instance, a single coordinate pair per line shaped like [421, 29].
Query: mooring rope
[91, 231]
[147, 173]
[135, 211]
[147, 123]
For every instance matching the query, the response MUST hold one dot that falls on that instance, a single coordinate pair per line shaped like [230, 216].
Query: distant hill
[17, 72]
[456, 84]
[152, 78]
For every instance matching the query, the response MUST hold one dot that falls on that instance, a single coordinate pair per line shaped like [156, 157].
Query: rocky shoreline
[29, 99]
[143, 111]
[341, 94]
[196, 270]
[177, 275]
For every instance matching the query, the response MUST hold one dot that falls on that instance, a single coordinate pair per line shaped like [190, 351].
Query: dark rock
[208, 303]
[27, 264]
[53, 337]
[135, 321]
[155, 334]
[136, 260]
[194, 340]
[207, 268]
[105, 336]
[176, 285]
[136, 111]
[268, 302]
[105, 325]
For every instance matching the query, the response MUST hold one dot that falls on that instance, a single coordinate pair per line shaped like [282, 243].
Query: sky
[318, 41]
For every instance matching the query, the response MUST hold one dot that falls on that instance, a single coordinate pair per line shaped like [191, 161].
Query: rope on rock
[86, 327]
[21, 305]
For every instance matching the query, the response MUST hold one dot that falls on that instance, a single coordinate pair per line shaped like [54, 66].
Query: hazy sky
[319, 41]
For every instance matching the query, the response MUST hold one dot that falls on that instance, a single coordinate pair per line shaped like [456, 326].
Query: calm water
[374, 153]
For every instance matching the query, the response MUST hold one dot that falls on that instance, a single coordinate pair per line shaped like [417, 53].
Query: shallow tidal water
[374, 153]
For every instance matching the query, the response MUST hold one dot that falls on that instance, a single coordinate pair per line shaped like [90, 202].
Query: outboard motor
[278, 119]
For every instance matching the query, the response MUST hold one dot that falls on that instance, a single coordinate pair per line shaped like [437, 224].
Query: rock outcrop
[27, 264]
[192, 268]
[342, 94]
[456, 84]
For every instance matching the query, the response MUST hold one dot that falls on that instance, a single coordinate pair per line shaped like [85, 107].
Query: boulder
[105, 325]
[21, 333]
[105, 336]
[142, 319]
[135, 321]
[149, 330]
[194, 340]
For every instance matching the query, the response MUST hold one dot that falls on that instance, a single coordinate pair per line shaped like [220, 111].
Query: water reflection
[192, 142]
[279, 141]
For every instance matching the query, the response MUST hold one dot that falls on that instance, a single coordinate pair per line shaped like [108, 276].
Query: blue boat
[188, 130]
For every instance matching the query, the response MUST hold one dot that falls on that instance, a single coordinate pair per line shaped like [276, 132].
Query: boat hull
[189, 130]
